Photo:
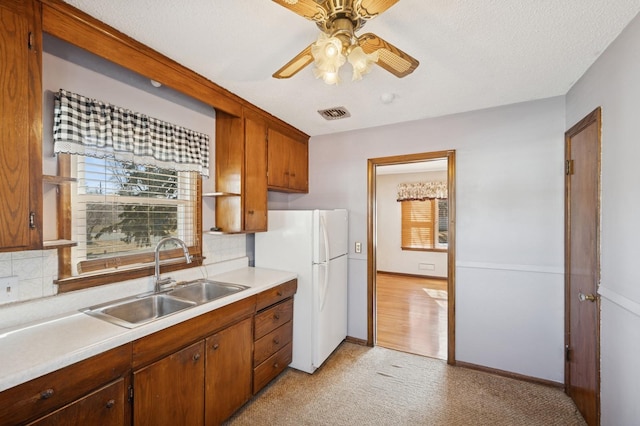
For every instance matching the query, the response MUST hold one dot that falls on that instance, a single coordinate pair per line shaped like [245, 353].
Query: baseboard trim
[403, 274]
[356, 341]
[509, 374]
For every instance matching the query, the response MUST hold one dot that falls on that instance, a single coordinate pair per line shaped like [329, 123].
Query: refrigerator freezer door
[331, 234]
[329, 307]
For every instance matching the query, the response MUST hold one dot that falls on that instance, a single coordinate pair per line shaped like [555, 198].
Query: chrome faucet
[160, 282]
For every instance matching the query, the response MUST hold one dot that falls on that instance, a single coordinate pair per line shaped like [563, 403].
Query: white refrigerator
[314, 244]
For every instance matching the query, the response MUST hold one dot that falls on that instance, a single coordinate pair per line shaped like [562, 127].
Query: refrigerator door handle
[325, 285]
[325, 288]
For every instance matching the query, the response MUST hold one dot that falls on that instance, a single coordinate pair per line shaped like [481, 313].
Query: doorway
[378, 280]
[582, 265]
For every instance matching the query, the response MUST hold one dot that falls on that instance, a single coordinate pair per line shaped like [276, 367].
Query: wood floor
[411, 314]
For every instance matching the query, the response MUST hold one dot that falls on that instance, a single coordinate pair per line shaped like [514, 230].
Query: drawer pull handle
[276, 365]
[276, 316]
[215, 346]
[276, 340]
[111, 403]
[279, 293]
[196, 357]
[46, 394]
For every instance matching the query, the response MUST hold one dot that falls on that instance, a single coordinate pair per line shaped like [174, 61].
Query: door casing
[371, 239]
[582, 268]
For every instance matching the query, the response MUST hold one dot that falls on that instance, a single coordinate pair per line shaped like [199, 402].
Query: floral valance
[89, 127]
[422, 191]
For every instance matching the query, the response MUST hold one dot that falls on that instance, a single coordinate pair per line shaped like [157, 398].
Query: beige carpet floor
[358, 385]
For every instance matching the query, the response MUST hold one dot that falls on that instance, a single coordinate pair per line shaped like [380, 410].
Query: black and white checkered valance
[89, 127]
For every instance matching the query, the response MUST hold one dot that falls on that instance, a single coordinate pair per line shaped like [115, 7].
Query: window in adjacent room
[424, 216]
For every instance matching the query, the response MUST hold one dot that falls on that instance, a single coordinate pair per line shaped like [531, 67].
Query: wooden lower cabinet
[104, 407]
[83, 390]
[201, 384]
[171, 391]
[273, 333]
[198, 372]
[228, 371]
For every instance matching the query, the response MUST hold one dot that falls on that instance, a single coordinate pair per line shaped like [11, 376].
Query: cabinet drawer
[272, 318]
[276, 294]
[272, 343]
[47, 393]
[269, 369]
[104, 407]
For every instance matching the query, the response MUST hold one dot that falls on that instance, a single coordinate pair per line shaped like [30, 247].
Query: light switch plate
[358, 247]
[9, 289]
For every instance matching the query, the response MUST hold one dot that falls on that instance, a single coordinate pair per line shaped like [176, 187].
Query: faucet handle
[165, 282]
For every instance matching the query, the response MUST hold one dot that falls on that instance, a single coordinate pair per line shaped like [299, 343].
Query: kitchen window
[136, 181]
[122, 210]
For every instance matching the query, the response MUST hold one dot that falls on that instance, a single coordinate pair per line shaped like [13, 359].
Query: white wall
[390, 256]
[510, 225]
[613, 83]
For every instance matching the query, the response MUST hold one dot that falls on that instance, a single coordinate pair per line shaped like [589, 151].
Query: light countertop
[42, 347]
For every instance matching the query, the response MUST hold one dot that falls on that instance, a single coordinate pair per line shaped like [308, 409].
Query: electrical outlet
[358, 247]
[8, 289]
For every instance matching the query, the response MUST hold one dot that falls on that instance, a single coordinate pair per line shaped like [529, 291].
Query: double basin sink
[138, 310]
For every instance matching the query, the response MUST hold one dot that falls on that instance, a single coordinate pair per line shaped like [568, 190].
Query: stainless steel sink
[133, 312]
[203, 291]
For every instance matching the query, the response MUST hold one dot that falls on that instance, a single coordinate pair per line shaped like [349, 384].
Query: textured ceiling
[473, 53]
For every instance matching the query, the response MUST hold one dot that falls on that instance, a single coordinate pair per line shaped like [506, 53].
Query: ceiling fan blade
[369, 9]
[390, 57]
[301, 60]
[310, 9]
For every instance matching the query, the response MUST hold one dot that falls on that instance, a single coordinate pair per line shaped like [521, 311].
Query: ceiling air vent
[335, 113]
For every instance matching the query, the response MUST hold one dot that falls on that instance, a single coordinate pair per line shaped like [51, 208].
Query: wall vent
[335, 113]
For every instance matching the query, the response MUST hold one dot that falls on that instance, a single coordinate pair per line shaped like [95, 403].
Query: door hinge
[567, 353]
[568, 168]
[32, 220]
[130, 398]
[30, 40]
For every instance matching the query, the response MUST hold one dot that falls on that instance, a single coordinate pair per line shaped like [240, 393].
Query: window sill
[92, 280]
[433, 249]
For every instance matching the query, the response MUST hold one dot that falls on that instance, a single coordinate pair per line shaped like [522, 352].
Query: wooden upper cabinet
[287, 162]
[20, 132]
[241, 172]
[255, 183]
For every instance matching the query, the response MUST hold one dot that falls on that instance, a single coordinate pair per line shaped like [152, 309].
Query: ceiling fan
[337, 43]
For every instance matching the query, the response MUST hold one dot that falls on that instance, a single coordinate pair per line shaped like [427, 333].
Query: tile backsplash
[36, 270]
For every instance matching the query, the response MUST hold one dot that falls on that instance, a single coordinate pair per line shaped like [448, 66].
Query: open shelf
[57, 180]
[220, 194]
[55, 244]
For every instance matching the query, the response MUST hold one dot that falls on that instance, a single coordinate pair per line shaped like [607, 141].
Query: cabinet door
[277, 160]
[171, 390]
[103, 407]
[299, 166]
[229, 371]
[16, 105]
[255, 183]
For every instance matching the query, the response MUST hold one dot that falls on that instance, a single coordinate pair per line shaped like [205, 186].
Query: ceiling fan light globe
[331, 78]
[331, 51]
[361, 62]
